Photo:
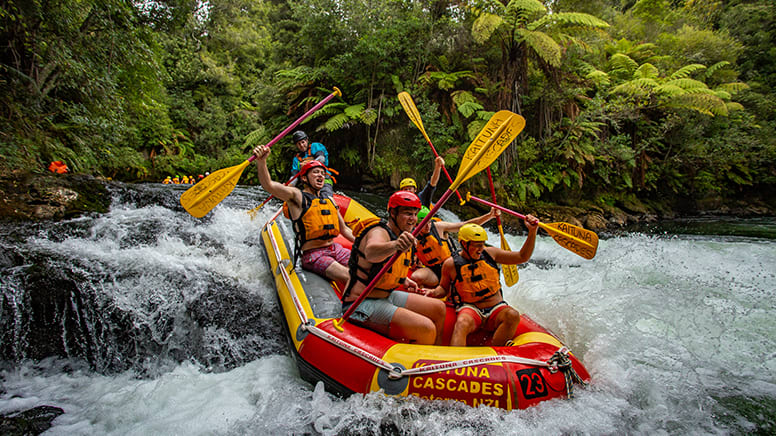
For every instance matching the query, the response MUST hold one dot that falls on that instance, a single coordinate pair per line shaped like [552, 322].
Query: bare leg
[464, 324]
[412, 327]
[337, 272]
[424, 277]
[506, 325]
[431, 308]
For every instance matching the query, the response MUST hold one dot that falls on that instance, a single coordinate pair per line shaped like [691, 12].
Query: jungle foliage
[625, 101]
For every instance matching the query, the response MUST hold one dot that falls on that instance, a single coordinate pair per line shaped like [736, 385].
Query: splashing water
[169, 324]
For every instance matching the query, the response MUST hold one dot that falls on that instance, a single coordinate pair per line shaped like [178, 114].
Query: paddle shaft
[299, 121]
[493, 196]
[388, 264]
[273, 195]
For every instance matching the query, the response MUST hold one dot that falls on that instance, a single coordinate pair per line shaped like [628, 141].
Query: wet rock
[29, 422]
[595, 221]
[47, 196]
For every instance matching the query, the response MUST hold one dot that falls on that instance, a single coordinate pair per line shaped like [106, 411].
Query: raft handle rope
[559, 361]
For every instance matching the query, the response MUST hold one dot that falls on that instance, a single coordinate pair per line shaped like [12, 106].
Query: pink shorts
[318, 259]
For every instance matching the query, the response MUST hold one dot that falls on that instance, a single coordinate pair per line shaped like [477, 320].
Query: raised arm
[279, 190]
[445, 227]
[522, 256]
[439, 162]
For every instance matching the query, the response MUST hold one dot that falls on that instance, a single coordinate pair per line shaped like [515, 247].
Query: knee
[465, 324]
[512, 317]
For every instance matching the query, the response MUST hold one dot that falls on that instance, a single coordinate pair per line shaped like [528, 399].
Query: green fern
[484, 26]
[569, 19]
[686, 71]
[646, 71]
[543, 44]
[620, 61]
[733, 87]
[716, 67]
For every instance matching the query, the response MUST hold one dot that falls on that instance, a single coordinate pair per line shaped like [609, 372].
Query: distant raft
[535, 367]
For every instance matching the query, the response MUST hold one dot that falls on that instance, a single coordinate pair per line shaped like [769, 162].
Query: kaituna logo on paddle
[473, 385]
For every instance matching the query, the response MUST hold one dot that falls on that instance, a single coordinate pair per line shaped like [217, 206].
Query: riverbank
[27, 196]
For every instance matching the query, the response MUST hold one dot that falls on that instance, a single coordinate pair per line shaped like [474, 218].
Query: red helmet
[403, 199]
[310, 165]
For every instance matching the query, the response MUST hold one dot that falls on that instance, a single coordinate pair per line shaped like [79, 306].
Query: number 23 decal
[532, 383]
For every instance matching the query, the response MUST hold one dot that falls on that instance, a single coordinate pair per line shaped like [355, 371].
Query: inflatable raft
[535, 367]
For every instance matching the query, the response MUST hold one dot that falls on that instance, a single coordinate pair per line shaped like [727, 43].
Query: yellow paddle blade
[205, 195]
[412, 112]
[511, 275]
[576, 239]
[502, 128]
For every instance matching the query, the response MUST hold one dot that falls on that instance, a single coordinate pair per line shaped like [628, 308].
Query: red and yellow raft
[535, 367]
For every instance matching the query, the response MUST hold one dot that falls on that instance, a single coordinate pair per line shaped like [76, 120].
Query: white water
[678, 334]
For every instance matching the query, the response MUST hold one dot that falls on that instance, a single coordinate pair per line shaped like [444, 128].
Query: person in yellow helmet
[473, 280]
[408, 184]
[432, 246]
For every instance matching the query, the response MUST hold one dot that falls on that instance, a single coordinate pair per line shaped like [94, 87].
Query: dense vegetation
[627, 102]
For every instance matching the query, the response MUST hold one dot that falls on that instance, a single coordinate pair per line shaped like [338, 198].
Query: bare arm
[439, 162]
[445, 227]
[279, 190]
[378, 245]
[522, 256]
[448, 273]
[344, 229]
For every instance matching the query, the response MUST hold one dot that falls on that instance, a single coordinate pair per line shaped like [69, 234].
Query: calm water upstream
[172, 327]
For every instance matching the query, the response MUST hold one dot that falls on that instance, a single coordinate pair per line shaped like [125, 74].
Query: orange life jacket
[393, 278]
[318, 219]
[475, 280]
[431, 248]
[58, 167]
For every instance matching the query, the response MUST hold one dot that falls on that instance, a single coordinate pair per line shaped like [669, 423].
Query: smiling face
[302, 145]
[473, 249]
[405, 218]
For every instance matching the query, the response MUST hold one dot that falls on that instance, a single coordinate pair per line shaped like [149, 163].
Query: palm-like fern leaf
[687, 71]
[569, 19]
[544, 46]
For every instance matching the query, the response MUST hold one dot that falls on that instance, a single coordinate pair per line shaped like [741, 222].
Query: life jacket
[396, 274]
[475, 280]
[318, 219]
[58, 167]
[431, 248]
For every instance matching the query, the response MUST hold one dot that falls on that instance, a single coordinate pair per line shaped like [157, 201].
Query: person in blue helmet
[307, 152]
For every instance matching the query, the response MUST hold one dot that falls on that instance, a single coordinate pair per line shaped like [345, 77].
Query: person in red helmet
[316, 219]
[403, 316]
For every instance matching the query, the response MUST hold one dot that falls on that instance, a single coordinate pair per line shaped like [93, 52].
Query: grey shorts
[376, 313]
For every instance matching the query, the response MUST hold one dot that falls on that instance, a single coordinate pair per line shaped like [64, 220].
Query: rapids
[145, 320]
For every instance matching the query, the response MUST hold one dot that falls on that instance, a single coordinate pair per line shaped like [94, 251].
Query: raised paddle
[573, 238]
[495, 137]
[205, 195]
[412, 111]
[253, 211]
[511, 276]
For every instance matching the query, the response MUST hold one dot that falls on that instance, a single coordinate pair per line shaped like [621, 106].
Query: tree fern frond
[569, 19]
[336, 122]
[687, 84]
[620, 61]
[646, 71]
[733, 87]
[703, 103]
[329, 109]
[598, 77]
[716, 67]
[484, 26]
[254, 138]
[524, 7]
[733, 106]
[368, 116]
[473, 128]
[469, 108]
[724, 95]
[636, 86]
[670, 90]
[354, 111]
[686, 71]
[543, 45]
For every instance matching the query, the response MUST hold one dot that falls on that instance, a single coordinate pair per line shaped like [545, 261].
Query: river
[171, 327]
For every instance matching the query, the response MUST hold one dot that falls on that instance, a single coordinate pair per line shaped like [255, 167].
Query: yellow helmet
[408, 182]
[472, 232]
